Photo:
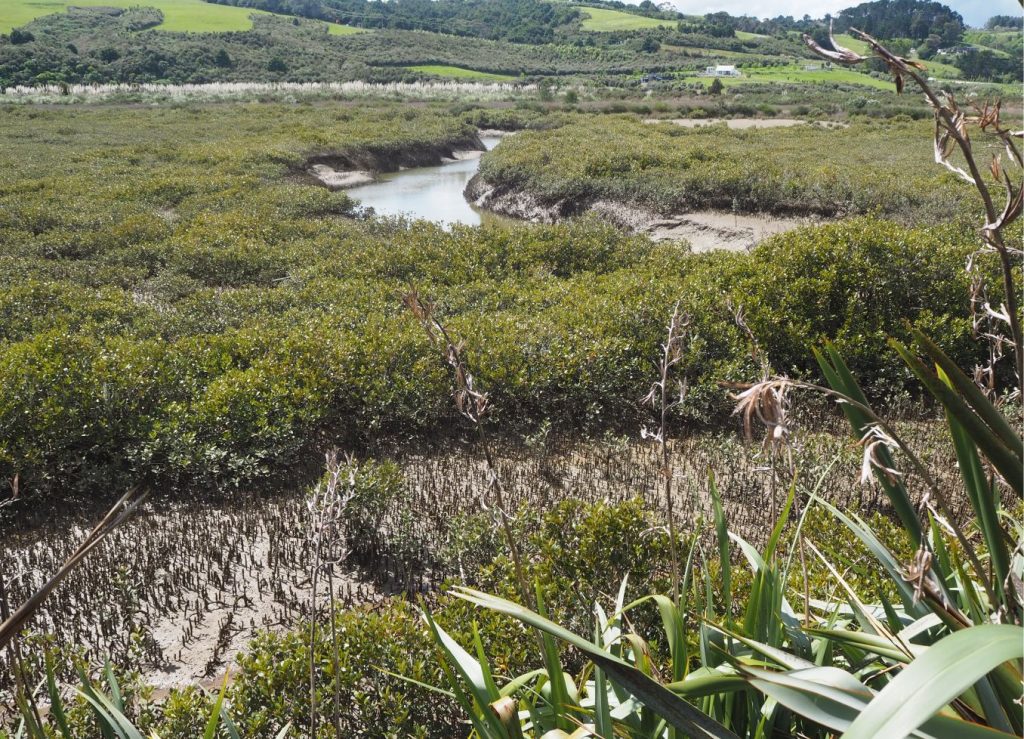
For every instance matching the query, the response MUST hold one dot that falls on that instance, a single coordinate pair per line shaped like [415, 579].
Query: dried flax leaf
[837, 53]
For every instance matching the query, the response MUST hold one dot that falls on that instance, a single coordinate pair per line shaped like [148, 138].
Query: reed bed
[218, 91]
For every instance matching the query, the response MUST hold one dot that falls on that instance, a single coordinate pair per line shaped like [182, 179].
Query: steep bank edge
[337, 170]
[508, 200]
[704, 230]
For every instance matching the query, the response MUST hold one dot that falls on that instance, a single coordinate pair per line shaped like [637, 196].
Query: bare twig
[663, 400]
[326, 507]
[951, 133]
[473, 404]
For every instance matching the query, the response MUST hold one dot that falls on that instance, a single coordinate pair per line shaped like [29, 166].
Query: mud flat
[709, 230]
[332, 179]
[704, 230]
[744, 123]
[200, 582]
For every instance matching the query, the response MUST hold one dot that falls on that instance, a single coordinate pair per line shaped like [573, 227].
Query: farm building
[722, 70]
[956, 50]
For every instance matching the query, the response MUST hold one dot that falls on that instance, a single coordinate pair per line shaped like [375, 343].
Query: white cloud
[975, 13]
[765, 9]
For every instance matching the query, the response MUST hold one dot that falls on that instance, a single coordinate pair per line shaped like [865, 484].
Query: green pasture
[998, 42]
[701, 51]
[941, 70]
[460, 73]
[994, 50]
[797, 74]
[602, 19]
[340, 29]
[179, 15]
[935, 68]
[853, 44]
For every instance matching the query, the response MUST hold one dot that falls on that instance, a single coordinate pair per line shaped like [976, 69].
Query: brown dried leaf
[995, 167]
[989, 115]
[960, 122]
[944, 143]
[837, 53]
[1011, 211]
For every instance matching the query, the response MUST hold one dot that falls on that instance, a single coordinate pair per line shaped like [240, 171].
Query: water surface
[432, 193]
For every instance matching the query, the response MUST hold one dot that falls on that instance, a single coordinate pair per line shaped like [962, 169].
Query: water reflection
[433, 193]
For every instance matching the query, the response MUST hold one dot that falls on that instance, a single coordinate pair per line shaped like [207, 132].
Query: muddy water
[431, 193]
[436, 194]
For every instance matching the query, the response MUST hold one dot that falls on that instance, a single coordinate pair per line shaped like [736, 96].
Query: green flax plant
[936, 654]
[107, 712]
[941, 659]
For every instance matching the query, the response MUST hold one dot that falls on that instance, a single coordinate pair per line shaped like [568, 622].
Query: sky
[975, 12]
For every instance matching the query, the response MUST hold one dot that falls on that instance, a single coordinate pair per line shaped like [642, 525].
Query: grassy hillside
[796, 74]
[179, 15]
[937, 68]
[603, 19]
[340, 29]
[1000, 42]
[461, 73]
[91, 47]
[853, 44]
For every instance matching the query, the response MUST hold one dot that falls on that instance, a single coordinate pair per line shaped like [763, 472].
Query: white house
[722, 70]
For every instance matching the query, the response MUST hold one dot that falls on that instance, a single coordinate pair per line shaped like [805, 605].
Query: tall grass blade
[705, 682]
[115, 689]
[884, 557]
[485, 667]
[553, 665]
[211, 723]
[773, 541]
[826, 698]
[471, 674]
[983, 498]
[28, 724]
[936, 678]
[119, 724]
[229, 725]
[107, 724]
[56, 702]
[722, 530]
[602, 710]
[840, 379]
[672, 621]
[653, 695]
[780, 656]
[970, 393]
[1010, 466]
